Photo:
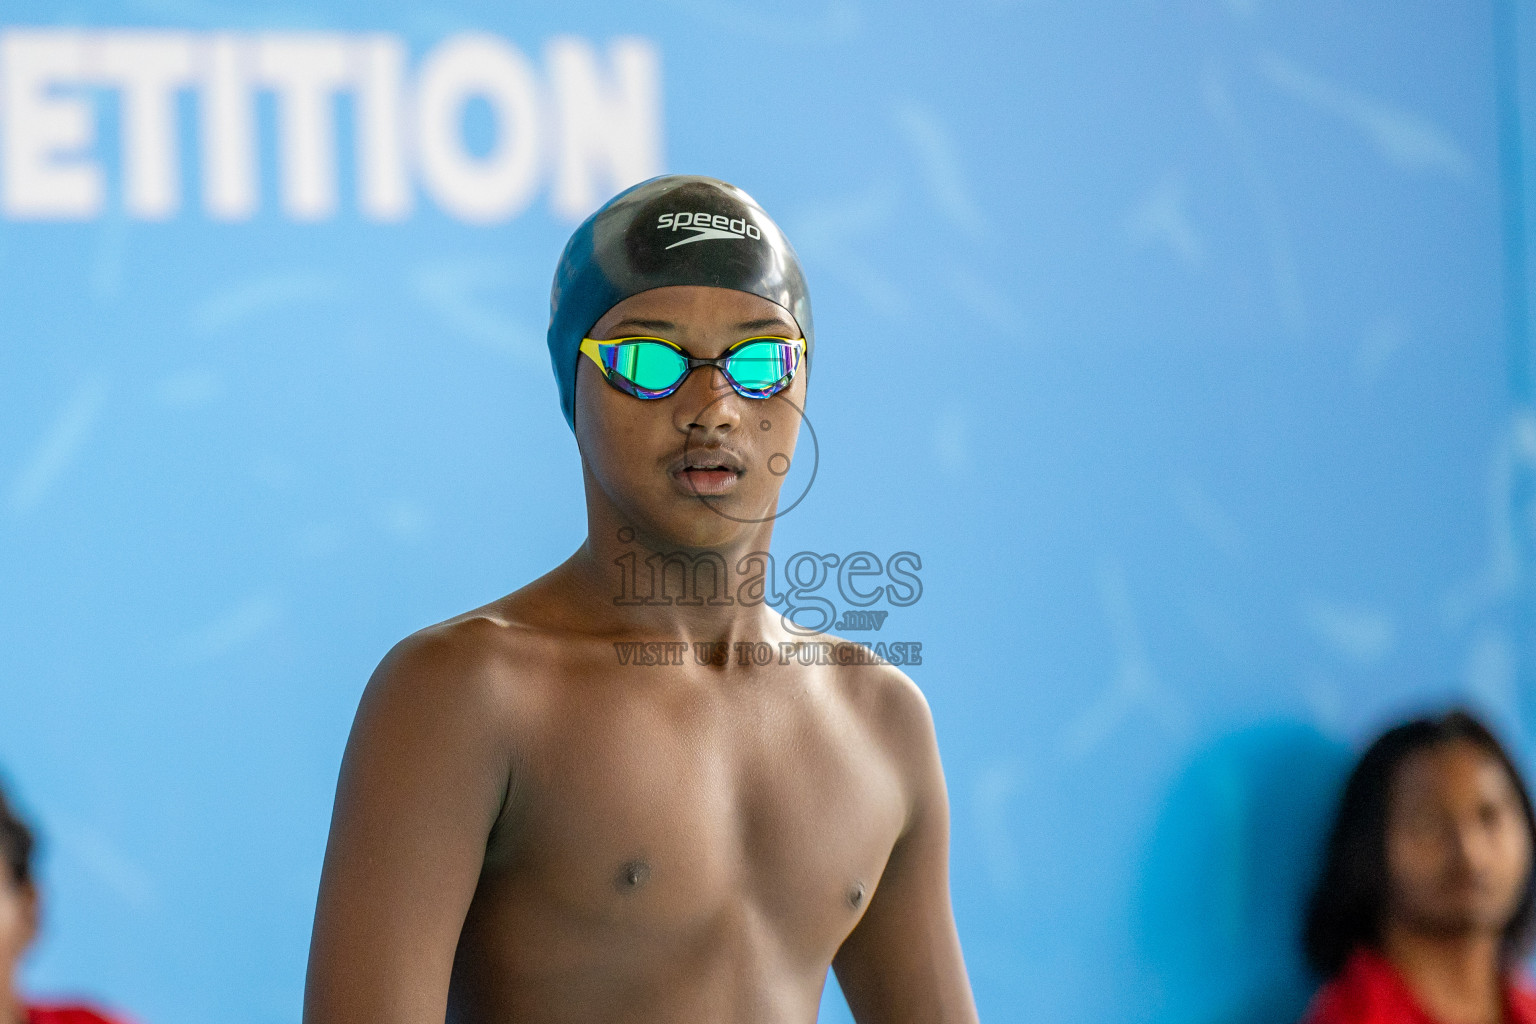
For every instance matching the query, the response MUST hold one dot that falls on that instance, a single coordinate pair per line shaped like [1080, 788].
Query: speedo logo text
[706, 226]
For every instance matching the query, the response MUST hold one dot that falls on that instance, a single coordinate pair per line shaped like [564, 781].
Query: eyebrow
[668, 325]
[645, 325]
[757, 325]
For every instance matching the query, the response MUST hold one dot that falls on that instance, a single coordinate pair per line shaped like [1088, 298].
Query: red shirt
[70, 1014]
[1370, 991]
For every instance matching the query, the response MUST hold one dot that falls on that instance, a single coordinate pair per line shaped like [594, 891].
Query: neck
[1456, 975]
[12, 1011]
[636, 582]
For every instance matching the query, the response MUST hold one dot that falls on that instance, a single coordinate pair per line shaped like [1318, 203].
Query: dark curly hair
[16, 843]
[1348, 906]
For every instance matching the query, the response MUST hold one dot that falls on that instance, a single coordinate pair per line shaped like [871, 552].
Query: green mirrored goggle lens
[649, 364]
[760, 365]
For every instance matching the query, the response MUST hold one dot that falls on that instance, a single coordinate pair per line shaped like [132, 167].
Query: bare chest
[679, 811]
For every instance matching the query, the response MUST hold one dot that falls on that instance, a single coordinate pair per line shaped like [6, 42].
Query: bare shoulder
[894, 712]
[886, 699]
[446, 726]
[481, 662]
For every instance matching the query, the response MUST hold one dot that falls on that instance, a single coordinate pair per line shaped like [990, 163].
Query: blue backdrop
[1185, 344]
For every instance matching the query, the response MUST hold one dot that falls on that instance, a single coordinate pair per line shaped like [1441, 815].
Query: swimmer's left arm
[903, 961]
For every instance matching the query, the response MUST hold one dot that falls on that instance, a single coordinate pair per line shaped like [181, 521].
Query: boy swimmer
[528, 830]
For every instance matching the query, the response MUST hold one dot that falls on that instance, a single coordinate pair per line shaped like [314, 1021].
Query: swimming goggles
[655, 368]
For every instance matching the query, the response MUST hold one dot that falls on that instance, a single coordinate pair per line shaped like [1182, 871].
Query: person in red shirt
[19, 914]
[1425, 905]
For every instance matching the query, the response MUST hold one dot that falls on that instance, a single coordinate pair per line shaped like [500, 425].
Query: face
[18, 925]
[701, 467]
[1458, 848]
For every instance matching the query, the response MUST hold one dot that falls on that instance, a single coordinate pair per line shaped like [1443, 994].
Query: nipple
[632, 875]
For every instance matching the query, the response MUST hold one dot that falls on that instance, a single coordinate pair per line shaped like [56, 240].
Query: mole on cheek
[632, 876]
[856, 895]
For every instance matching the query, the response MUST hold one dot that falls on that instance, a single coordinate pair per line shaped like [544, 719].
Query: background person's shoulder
[1522, 999]
[70, 1013]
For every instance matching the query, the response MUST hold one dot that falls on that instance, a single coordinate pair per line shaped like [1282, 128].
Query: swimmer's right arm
[422, 782]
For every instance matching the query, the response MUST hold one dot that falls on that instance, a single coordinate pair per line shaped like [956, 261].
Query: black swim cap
[675, 229]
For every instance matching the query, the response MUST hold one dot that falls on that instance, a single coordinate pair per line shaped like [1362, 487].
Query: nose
[706, 404]
[1473, 848]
